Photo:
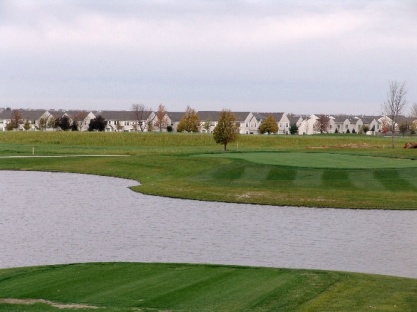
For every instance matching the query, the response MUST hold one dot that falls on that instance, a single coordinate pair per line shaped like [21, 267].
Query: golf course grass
[180, 287]
[320, 160]
[340, 171]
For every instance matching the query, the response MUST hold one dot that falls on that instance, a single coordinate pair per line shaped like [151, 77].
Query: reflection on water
[50, 218]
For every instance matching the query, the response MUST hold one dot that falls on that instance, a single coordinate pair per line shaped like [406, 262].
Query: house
[283, 123]
[307, 125]
[29, 119]
[247, 124]
[295, 120]
[120, 121]
[208, 120]
[175, 118]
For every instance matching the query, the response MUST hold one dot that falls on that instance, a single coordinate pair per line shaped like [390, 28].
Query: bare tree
[140, 113]
[395, 104]
[413, 111]
[161, 118]
[322, 124]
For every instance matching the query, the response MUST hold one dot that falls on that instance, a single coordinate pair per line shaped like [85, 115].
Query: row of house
[129, 121]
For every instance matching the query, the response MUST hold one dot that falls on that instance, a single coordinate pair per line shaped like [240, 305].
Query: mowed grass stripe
[320, 160]
[184, 287]
[365, 180]
[392, 181]
[336, 179]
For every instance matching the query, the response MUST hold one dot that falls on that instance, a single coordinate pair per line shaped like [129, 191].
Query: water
[54, 218]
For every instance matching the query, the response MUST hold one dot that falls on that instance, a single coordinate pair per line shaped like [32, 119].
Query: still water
[51, 218]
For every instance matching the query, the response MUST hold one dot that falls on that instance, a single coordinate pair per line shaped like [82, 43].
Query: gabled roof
[118, 115]
[241, 116]
[57, 113]
[368, 119]
[294, 118]
[175, 116]
[277, 116]
[401, 119]
[208, 115]
[26, 114]
[341, 118]
[74, 113]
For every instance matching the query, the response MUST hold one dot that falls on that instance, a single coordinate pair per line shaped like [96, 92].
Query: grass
[181, 287]
[320, 160]
[319, 171]
[338, 171]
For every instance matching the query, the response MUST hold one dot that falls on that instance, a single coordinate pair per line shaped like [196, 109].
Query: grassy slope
[122, 286]
[163, 163]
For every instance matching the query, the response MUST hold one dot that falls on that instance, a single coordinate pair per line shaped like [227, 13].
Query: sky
[301, 56]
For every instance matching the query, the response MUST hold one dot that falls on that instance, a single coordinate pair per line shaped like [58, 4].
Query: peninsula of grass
[340, 171]
[185, 287]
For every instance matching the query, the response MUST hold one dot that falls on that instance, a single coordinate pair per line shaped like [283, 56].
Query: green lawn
[320, 160]
[316, 171]
[182, 287]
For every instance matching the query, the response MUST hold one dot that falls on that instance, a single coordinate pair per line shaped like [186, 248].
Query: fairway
[185, 287]
[320, 160]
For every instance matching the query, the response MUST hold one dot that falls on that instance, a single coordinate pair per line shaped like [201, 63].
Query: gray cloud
[306, 56]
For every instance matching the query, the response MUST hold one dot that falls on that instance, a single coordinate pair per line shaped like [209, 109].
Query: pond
[55, 218]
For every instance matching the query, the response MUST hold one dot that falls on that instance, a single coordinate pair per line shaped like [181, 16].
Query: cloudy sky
[302, 56]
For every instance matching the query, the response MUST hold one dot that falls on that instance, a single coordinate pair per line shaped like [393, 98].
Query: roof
[121, 115]
[27, 114]
[208, 115]
[175, 116]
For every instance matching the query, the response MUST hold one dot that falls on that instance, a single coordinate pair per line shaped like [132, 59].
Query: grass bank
[181, 287]
[338, 171]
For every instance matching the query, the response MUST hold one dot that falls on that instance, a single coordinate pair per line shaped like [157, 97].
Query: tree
[27, 125]
[74, 125]
[119, 125]
[293, 129]
[63, 123]
[413, 111]
[269, 125]
[77, 120]
[404, 127]
[140, 113]
[189, 121]
[207, 124]
[43, 123]
[161, 118]
[322, 123]
[364, 129]
[384, 125]
[227, 130]
[395, 104]
[51, 123]
[97, 124]
[15, 120]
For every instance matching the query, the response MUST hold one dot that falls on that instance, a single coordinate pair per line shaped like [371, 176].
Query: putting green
[320, 160]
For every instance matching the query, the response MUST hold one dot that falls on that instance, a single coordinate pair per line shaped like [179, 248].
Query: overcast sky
[246, 55]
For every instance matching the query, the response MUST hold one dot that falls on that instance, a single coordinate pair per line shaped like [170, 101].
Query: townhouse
[249, 122]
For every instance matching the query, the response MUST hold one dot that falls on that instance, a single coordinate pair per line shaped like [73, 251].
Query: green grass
[320, 160]
[315, 171]
[318, 171]
[182, 287]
